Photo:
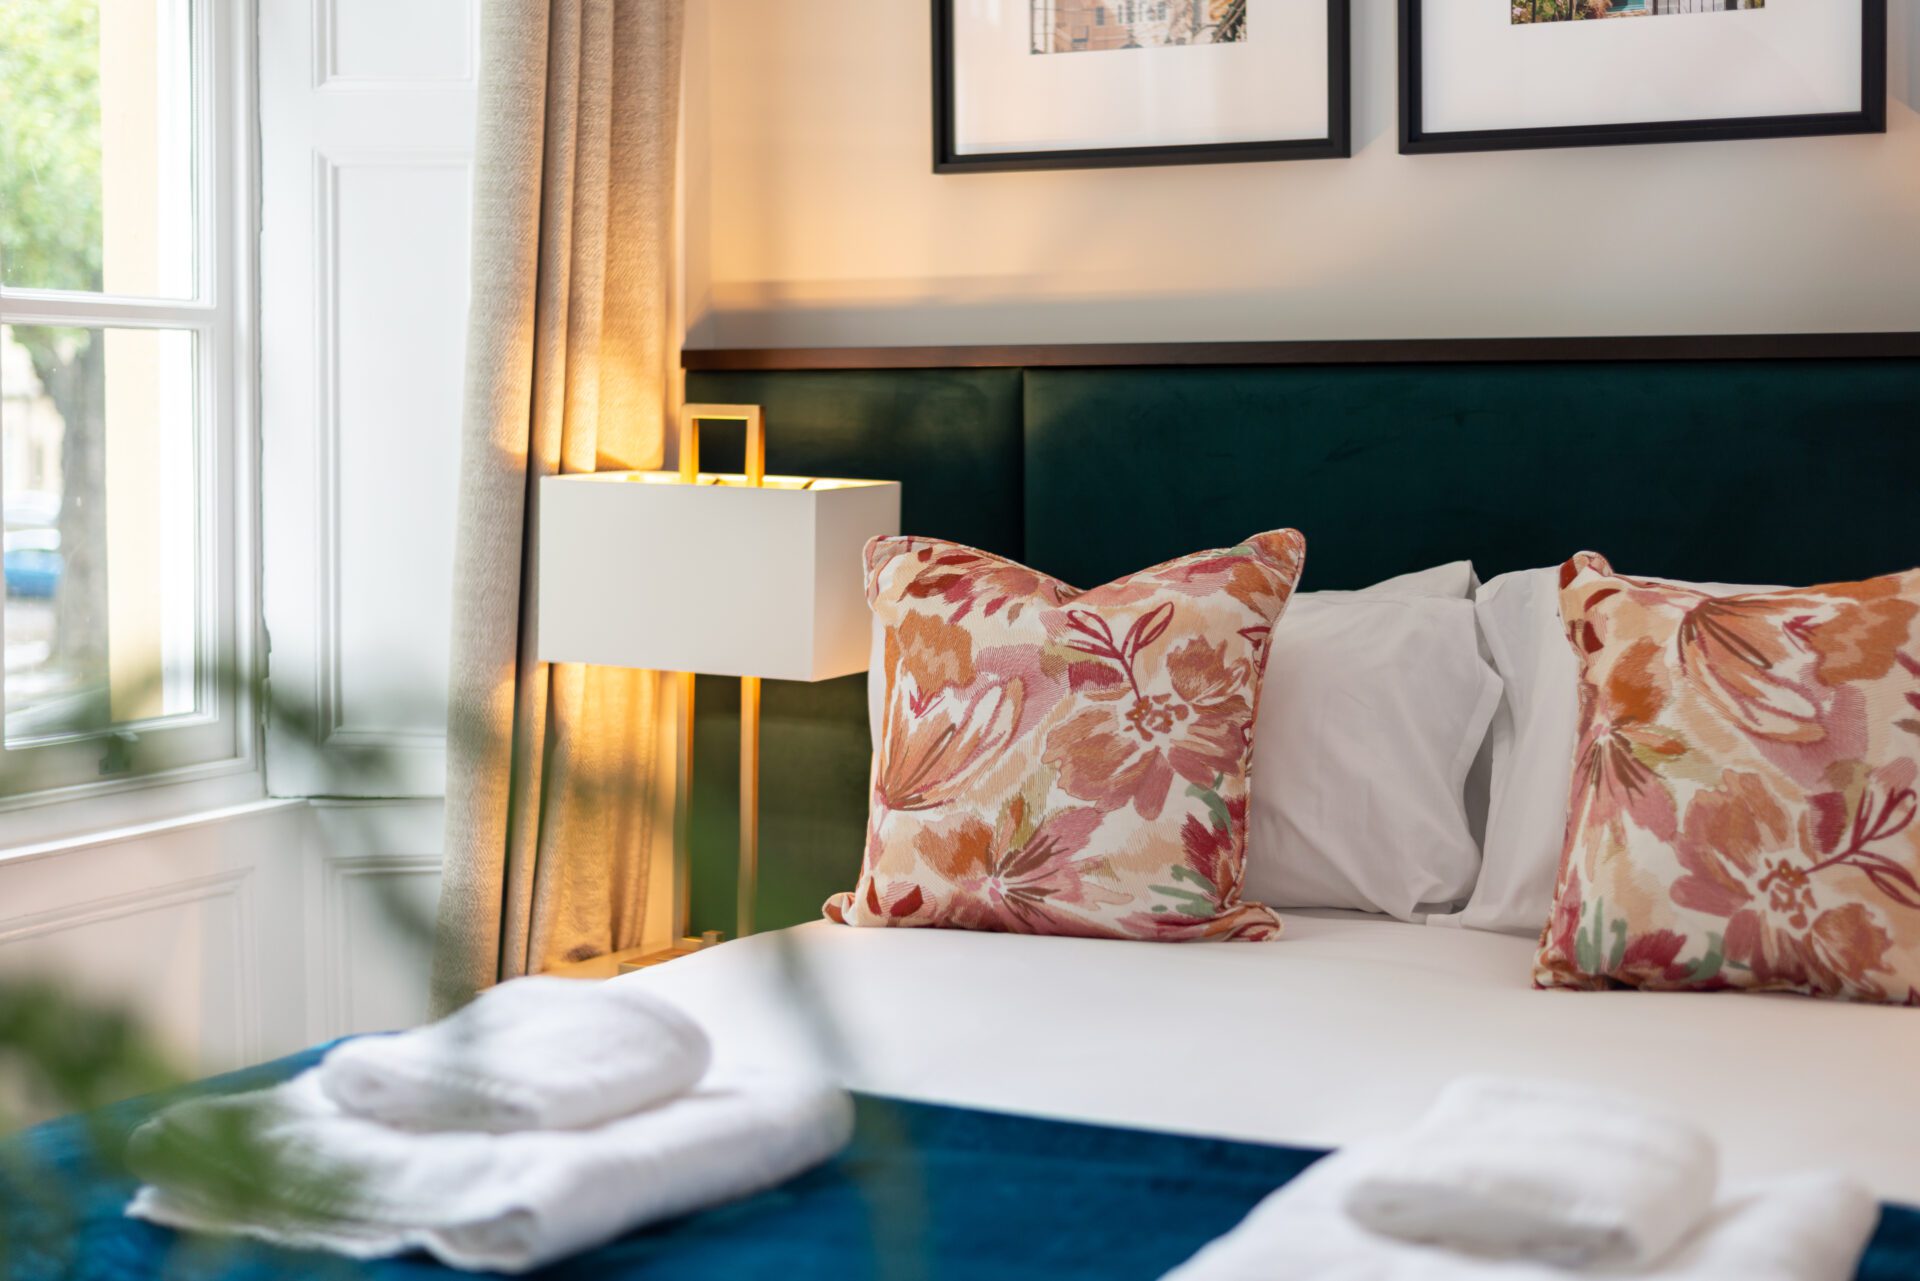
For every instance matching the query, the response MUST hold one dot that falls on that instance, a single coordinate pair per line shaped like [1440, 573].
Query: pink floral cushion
[1064, 762]
[1744, 790]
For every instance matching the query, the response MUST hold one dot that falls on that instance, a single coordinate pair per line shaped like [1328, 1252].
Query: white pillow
[1455, 580]
[1530, 749]
[1374, 706]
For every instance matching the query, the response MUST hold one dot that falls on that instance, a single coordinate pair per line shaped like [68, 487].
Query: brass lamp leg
[756, 476]
[749, 801]
[683, 814]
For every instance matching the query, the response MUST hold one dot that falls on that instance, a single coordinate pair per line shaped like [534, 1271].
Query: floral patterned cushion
[1062, 762]
[1743, 796]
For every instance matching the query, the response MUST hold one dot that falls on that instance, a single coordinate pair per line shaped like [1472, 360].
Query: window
[121, 271]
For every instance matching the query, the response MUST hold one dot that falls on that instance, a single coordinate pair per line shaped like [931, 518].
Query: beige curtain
[550, 805]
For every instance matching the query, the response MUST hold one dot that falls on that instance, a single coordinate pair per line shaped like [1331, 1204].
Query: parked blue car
[33, 563]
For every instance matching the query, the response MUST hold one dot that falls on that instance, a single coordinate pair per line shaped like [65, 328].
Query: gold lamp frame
[691, 416]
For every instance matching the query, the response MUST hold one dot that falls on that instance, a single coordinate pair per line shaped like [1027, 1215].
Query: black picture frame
[1337, 145]
[1871, 117]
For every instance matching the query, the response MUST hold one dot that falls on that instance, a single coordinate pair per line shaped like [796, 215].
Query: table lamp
[754, 576]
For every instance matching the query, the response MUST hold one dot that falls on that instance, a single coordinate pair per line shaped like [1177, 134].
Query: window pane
[97, 448]
[96, 146]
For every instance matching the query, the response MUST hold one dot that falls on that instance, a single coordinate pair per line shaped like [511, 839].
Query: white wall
[815, 219]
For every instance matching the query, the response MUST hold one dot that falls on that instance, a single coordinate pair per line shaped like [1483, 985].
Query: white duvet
[1343, 1029]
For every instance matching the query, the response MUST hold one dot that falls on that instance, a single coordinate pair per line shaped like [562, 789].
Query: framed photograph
[1088, 84]
[1496, 75]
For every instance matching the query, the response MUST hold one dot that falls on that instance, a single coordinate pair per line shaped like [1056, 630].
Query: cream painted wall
[813, 218]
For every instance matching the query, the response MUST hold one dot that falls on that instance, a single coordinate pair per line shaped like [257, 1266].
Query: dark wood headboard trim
[1421, 351]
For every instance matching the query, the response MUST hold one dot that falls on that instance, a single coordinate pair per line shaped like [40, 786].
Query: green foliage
[60, 1053]
[63, 1053]
[51, 238]
[63, 1050]
[71, 1055]
[50, 143]
[68, 1051]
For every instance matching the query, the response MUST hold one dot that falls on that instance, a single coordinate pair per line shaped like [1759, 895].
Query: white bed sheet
[1343, 1028]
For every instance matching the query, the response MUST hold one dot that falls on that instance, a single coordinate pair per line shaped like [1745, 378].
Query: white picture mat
[1270, 87]
[1481, 71]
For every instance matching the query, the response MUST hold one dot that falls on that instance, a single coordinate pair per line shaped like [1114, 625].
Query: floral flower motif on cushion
[1063, 762]
[1745, 792]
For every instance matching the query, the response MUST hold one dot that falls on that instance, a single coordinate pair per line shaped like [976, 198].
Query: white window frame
[210, 758]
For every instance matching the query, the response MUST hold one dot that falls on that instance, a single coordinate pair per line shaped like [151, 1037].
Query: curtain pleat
[552, 811]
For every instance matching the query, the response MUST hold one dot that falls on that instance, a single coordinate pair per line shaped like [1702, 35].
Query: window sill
[142, 831]
[47, 821]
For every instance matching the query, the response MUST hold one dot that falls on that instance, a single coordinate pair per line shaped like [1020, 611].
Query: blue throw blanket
[924, 1194]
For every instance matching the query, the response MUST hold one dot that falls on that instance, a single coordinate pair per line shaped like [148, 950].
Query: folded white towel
[1536, 1170]
[532, 1054]
[501, 1202]
[1805, 1228]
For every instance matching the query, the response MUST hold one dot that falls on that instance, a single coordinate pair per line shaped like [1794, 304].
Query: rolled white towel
[1804, 1228]
[499, 1202]
[531, 1054]
[1537, 1170]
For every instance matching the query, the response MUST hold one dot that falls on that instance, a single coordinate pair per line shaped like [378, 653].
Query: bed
[1068, 1108]
[1033, 1093]
[1342, 1029]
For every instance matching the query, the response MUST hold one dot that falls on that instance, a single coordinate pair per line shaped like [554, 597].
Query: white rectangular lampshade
[639, 570]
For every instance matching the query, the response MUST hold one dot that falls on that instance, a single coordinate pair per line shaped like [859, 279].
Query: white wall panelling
[367, 114]
[366, 121]
[185, 923]
[180, 951]
[381, 45]
[241, 934]
[391, 235]
[372, 889]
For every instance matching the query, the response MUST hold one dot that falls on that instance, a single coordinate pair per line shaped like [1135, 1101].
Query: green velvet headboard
[1794, 471]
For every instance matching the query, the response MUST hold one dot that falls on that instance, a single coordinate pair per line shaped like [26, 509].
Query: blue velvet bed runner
[924, 1194]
